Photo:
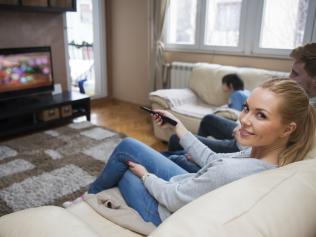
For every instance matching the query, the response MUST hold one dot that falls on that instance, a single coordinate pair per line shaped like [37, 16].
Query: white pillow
[206, 83]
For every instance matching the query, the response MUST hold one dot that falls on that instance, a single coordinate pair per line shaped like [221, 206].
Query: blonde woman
[277, 122]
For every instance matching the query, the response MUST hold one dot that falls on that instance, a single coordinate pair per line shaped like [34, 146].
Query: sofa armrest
[48, 221]
[169, 98]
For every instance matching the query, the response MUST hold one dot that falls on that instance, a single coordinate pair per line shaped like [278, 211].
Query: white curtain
[159, 14]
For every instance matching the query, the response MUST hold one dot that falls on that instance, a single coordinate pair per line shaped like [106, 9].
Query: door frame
[99, 50]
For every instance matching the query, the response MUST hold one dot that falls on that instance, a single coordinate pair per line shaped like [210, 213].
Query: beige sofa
[204, 94]
[275, 203]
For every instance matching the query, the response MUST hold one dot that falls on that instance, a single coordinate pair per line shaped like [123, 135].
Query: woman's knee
[127, 142]
[125, 146]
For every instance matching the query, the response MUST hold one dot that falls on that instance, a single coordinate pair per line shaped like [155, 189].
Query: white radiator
[180, 74]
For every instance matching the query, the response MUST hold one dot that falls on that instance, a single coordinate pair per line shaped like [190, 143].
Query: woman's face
[261, 122]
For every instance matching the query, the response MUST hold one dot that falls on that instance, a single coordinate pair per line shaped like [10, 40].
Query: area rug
[52, 166]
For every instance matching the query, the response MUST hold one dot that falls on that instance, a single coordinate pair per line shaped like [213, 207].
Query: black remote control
[165, 119]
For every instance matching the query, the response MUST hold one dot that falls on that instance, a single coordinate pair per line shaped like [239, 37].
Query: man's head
[304, 67]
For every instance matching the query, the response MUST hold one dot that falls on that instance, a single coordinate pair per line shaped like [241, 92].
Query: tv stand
[42, 111]
[20, 101]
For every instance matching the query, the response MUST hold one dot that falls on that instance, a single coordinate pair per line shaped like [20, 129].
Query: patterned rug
[53, 166]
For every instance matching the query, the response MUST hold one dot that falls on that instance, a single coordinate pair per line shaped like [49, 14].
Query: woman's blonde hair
[295, 108]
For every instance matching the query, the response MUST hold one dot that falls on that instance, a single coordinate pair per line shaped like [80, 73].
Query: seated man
[222, 129]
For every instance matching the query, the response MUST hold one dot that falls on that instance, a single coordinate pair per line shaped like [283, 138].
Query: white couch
[204, 94]
[275, 203]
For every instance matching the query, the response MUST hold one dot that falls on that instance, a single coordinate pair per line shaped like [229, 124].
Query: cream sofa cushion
[275, 203]
[47, 221]
[260, 75]
[206, 80]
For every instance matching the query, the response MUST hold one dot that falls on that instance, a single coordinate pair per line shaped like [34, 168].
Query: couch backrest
[206, 80]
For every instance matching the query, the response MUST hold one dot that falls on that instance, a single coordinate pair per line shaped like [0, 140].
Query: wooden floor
[126, 118]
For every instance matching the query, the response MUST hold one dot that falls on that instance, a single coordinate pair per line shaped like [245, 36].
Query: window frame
[249, 33]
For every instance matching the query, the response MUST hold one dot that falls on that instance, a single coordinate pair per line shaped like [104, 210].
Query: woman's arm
[201, 154]
[174, 195]
[170, 194]
[181, 190]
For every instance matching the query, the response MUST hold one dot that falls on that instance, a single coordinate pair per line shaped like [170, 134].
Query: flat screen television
[25, 71]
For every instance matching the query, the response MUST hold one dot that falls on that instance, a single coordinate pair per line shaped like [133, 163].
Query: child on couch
[233, 84]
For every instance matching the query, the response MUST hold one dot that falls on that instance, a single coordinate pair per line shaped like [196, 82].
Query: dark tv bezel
[31, 91]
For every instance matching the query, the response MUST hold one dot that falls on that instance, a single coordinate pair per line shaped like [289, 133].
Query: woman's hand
[137, 169]
[180, 129]
[159, 121]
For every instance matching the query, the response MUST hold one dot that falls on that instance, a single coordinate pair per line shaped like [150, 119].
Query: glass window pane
[283, 23]
[222, 22]
[182, 22]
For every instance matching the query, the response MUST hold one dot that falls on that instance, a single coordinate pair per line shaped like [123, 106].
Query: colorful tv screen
[25, 70]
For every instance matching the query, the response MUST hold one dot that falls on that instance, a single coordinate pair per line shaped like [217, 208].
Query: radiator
[179, 74]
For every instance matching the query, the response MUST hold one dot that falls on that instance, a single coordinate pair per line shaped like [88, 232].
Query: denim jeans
[116, 173]
[221, 129]
[180, 158]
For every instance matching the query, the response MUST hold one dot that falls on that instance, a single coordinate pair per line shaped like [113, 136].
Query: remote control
[165, 119]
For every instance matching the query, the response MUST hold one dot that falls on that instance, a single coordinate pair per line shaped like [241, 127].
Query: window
[249, 27]
[222, 22]
[274, 32]
[181, 27]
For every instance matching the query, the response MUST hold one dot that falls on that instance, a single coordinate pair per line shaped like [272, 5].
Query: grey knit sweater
[217, 170]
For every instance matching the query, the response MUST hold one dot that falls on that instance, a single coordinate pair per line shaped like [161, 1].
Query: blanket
[111, 205]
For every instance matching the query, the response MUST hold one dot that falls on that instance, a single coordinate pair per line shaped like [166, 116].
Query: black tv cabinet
[25, 114]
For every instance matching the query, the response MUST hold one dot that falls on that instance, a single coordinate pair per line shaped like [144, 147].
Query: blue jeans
[221, 129]
[116, 173]
[180, 158]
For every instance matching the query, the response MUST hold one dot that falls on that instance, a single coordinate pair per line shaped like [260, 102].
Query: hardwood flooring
[126, 118]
